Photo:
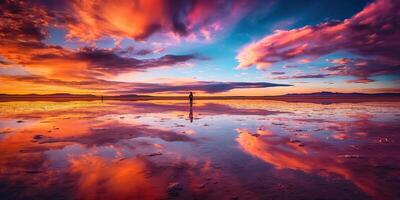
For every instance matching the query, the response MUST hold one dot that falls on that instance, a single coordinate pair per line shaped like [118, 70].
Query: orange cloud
[140, 19]
[23, 28]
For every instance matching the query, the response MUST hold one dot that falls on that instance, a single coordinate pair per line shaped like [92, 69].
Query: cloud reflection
[313, 154]
[150, 150]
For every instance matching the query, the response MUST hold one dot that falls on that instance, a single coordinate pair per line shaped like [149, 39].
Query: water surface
[221, 149]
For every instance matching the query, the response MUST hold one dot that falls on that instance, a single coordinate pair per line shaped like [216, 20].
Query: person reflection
[191, 107]
[191, 113]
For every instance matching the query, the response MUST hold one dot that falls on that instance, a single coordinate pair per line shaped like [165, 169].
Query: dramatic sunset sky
[211, 47]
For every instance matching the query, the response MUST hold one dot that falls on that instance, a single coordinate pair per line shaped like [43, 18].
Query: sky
[210, 47]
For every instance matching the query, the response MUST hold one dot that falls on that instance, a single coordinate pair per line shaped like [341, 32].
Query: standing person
[191, 107]
[191, 98]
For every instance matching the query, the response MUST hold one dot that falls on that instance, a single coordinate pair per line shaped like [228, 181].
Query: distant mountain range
[332, 95]
[67, 96]
[56, 95]
[340, 95]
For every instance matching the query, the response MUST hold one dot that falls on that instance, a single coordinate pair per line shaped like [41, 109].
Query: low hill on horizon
[55, 95]
[297, 95]
[339, 94]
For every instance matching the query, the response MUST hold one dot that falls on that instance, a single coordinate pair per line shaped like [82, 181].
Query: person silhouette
[191, 98]
[191, 107]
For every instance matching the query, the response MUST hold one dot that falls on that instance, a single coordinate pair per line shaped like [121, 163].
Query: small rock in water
[294, 141]
[38, 137]
[122, 159]
[174, 188]
[155, 154]
[20, 121]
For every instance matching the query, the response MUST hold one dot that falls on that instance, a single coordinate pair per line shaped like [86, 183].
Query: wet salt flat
[222, 149]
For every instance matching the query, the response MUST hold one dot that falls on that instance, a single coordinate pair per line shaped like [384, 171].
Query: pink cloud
[368, 33]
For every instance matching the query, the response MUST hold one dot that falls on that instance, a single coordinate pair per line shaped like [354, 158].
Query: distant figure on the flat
[191, 107]
[191, 98]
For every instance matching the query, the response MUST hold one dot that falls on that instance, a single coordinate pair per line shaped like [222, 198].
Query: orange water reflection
[221, 150]
[116, 180]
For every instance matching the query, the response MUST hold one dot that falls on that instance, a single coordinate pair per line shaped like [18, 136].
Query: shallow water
[230, 149]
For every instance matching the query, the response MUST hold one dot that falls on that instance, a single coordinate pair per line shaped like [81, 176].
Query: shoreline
[310, 99]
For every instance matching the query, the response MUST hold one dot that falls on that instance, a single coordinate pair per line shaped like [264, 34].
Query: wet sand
[165, 149]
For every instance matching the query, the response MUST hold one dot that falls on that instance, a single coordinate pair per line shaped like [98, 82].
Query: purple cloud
[115, 87]
[301, 76]
[277, 73]
[362, 69]
[203, 86]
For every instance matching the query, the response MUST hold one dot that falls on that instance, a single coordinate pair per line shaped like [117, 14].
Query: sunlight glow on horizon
[214, 48]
